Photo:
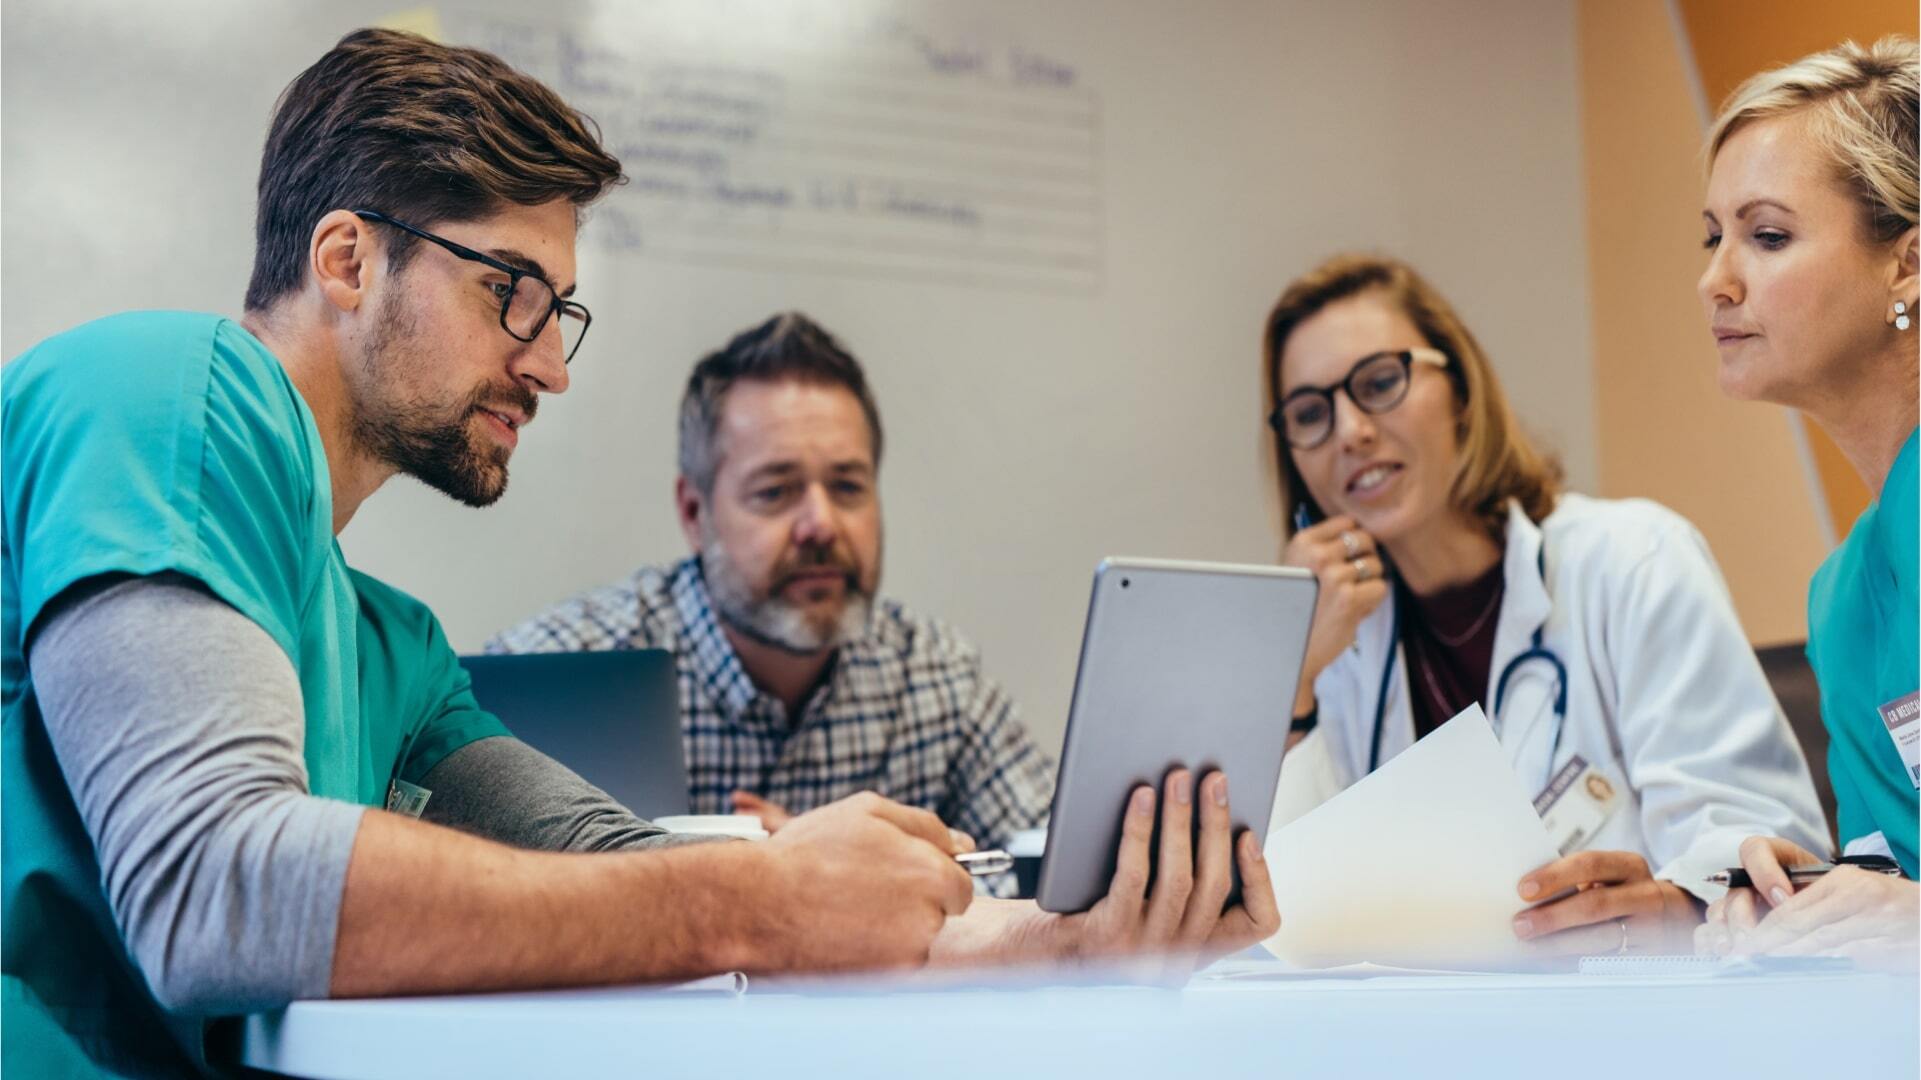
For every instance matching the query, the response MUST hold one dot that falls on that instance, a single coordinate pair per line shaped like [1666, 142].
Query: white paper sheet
[1415, 866]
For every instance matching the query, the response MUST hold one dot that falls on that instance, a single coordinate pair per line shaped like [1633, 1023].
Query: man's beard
[772, 620]
[434, 445]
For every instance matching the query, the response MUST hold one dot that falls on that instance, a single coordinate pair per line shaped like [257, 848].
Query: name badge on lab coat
[1576, 803]
[1903, 718]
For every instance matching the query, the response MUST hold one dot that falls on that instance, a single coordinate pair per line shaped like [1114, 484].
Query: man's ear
[689, 505]
[340, 256]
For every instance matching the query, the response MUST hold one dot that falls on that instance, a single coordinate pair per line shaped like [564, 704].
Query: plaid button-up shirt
[904, 711]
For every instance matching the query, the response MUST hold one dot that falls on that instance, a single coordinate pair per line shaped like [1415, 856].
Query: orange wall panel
[1664, 430]
[1733, 39]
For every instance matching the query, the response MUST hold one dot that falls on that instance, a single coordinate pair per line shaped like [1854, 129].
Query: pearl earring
[1900, 315]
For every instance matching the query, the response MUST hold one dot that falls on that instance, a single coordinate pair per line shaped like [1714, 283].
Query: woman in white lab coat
[1597, 635]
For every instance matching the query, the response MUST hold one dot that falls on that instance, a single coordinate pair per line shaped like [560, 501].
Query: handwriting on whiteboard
[886, 152]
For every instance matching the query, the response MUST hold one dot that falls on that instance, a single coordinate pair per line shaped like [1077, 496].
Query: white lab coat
[1664, 693]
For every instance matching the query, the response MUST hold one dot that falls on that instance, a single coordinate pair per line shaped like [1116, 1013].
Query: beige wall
[1664, 430]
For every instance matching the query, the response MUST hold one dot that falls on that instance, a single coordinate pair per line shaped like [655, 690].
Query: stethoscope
[1535, 651]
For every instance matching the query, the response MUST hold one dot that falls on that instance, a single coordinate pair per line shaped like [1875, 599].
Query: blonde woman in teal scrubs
[1811, 293]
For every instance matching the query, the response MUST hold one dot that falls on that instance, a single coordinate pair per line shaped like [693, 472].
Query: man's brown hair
[420, 131]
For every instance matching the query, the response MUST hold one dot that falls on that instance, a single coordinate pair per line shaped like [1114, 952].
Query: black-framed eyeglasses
[528, 301]
[1375, 384]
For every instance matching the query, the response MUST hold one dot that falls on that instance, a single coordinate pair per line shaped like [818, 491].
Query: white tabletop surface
[1544, 1027]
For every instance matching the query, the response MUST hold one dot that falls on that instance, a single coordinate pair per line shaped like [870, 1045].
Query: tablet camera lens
[1124, 583]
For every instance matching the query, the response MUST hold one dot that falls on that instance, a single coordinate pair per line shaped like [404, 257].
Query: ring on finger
[1352, 543]
[1362, 571]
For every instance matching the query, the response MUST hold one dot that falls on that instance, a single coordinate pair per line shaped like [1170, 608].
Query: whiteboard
[828, 140]
[1050, 232]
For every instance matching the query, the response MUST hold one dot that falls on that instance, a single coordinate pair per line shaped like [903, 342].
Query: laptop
[612, 717]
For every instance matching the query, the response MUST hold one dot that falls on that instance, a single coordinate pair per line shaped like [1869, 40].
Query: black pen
[1737, 878]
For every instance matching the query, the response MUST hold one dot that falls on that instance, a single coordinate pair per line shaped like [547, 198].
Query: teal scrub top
[159, 442]
[1865, 646]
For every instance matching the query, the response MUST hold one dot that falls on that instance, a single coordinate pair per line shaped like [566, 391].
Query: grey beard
[771, 620]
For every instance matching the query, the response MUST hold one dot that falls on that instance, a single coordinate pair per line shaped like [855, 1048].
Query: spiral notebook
[1712, 965]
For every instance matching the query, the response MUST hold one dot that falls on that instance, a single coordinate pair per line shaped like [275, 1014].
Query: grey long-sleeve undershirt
[505, 790]
[179, 727]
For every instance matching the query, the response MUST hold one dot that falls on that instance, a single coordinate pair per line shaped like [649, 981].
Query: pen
[1737, 878]
[982, 863]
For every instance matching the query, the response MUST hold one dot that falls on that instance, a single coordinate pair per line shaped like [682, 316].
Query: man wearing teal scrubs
[205, 709]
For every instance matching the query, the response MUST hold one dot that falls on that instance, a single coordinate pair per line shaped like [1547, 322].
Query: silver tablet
[1182, 664]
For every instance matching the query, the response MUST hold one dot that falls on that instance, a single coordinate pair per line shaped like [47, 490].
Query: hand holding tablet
[1165, 912]
[1184, 666]
[1169, 893]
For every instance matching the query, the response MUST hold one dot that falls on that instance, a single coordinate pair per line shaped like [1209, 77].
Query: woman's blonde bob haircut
[1497, 462]
[1861, 106]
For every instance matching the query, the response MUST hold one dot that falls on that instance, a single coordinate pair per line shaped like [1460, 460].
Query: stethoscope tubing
[1537, 650]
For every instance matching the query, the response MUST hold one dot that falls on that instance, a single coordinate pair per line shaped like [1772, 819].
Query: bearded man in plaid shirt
[797, 685]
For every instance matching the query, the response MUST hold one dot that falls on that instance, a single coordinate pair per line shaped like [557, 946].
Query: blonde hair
[1861, 105]
[1497, 461]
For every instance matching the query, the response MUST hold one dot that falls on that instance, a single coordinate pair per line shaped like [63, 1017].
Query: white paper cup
[741, 826]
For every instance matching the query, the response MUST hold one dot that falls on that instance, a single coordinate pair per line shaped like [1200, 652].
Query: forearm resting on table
[431, 910]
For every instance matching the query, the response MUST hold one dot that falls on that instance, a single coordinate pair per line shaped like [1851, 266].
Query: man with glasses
[205, 708]
[527, 298]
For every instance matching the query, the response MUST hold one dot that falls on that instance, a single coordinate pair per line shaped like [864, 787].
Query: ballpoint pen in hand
[1737, 877]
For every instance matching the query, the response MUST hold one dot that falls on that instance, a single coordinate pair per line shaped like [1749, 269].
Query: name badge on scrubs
[408, 799]
[1576, 803]
[1903, 717]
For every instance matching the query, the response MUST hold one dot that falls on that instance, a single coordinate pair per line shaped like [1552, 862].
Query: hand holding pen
[1795, 905]
[1739, 878]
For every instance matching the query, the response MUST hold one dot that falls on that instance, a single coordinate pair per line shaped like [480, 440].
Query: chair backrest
[1793, 681]
[612, 717]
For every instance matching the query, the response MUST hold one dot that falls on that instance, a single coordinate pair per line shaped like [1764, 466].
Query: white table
[1539, 1027]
